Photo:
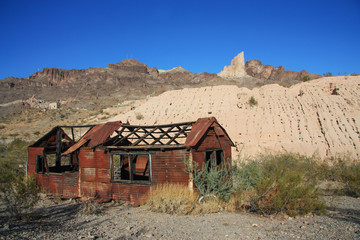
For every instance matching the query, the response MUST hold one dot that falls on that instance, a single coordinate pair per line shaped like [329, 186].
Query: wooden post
[191, 172]
[58, 147]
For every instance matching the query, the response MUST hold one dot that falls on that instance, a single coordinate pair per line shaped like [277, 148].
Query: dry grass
[172, 199]
[90, 207]
[178, 199]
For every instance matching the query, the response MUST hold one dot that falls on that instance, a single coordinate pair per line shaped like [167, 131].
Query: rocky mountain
[133, 79]
[127, 77]
[254, 68]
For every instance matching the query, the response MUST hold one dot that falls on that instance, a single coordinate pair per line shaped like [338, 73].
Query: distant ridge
[133, 79]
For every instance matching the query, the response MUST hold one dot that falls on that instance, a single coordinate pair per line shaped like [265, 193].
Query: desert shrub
[139, 116]
[247, 175]
[351, 179]
[172, 199]
[13, 156]
[328, 74]
[279, 183]
[212, 181]
[90, 207]
[209, 205]
[178, 199]
[306, 78]
[341, 169]
[252, 101]
[19, 195]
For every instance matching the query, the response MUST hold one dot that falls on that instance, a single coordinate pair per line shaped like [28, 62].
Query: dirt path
[62, 221]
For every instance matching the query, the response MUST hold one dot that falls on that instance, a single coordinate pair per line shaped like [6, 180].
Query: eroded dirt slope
[320, 116]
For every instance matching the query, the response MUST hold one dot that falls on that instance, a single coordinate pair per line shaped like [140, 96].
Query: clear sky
[201, 36]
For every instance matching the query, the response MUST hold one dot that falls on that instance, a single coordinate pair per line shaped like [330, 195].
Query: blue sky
[201, 36]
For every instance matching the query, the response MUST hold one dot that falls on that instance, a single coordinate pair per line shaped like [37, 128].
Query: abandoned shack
[121, 161]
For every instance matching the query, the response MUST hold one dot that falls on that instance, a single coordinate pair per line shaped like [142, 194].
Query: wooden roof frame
[134, 136]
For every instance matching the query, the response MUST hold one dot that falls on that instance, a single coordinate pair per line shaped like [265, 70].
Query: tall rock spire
[236, 69]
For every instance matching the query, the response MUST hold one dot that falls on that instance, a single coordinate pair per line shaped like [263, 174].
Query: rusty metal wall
[59, 184]
[95, 175]
[169, 166]
[32, 152]
[212, 140]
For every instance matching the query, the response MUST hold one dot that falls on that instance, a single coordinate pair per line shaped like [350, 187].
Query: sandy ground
[307, 118]
[61, 220]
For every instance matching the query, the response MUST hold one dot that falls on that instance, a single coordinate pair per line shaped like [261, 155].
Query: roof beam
[182, 131]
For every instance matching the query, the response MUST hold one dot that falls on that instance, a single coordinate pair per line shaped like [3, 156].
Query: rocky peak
[256, 69]
[236, 69]
[177, 69]
[131, 65]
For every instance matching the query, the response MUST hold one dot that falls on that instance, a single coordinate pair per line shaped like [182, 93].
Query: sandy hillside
[306, 118]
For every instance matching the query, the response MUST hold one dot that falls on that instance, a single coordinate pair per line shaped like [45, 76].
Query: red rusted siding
[209, 141]
[94, 168]
[169, 166]
[95, 175]
[32, 152]
[93, 180]
[59, 184]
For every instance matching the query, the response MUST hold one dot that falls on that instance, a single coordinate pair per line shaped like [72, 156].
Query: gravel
[62, 220]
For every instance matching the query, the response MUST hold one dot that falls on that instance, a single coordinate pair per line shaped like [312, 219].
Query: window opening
[48, 163]
[214, 158]
[40, 166]
[131, 167]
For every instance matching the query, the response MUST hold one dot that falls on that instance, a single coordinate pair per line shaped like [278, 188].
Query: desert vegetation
[268, 184]
[253, 101]
[328, 74]
[306, 78]
[18, 193]
[290, 184]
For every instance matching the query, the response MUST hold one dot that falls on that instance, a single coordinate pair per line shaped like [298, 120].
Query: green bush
[328, 74]
[139, 116]
[252, 101]
[341, 169]
[351, 178]
[306, 78]
[13, 156]
[18, 193]
[212, 181]
[280, 183]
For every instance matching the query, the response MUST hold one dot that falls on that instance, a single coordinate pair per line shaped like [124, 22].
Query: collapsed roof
[124, 136]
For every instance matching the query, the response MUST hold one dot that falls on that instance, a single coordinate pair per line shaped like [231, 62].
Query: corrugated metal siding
[212, 140]
[198, 131]
[169, 166]
[32, 152]
[93, 179]
[59, 184]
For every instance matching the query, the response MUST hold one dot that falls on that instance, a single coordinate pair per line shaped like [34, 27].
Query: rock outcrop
[127, 77]
[236, 69]
[256, 69]
[133, 78]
